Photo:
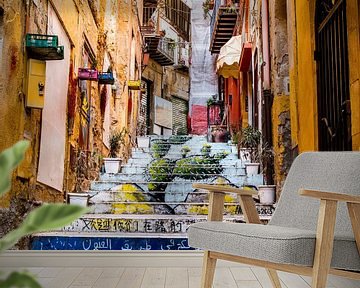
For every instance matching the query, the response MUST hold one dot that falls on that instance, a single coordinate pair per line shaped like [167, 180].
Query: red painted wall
[199, 119]
[232, 100]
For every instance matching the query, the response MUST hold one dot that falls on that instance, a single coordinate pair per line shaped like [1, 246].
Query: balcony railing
[182, 58]
[161, 50]
[222, 24]
[217, 5]
[166, 48]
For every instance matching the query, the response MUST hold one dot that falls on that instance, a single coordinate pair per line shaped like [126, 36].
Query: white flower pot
[81, 199]
[234, 149]
[267, 194]
[252, 168]
[143, 141]
[112, 165]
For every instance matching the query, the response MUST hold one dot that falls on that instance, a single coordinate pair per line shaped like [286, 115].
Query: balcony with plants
[182, 60]
[160, 48]
[222, 23]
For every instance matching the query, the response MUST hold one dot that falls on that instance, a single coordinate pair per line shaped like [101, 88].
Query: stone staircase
[150, 203]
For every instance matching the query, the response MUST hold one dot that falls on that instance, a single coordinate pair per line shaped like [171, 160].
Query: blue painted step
[86, 242]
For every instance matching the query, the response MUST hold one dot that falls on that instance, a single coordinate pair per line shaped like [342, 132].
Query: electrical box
[35, 88]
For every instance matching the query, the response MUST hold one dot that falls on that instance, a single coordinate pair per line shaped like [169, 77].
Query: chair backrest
[325, 171]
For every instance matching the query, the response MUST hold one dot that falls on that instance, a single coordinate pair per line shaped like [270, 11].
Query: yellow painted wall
[281, 138]
[353, 11]
[306, 92]
[82, 23]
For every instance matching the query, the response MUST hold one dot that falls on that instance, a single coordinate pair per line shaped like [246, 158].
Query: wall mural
[160, 200]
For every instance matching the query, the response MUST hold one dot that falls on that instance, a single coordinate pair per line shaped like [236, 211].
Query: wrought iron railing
[217, 5]
[166, 48]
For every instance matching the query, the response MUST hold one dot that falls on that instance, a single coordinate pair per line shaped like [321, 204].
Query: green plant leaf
[20, 280]
[9, 159]
[46, 217]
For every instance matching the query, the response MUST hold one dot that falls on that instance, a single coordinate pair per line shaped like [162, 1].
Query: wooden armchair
[305, 236]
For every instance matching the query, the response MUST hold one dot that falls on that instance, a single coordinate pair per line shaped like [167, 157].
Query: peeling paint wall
[93, 29]
[281, 90]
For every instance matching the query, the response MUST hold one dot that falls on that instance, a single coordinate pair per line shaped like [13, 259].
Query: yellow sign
[134, 84]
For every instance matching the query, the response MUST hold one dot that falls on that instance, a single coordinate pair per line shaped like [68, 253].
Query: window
[179, 15]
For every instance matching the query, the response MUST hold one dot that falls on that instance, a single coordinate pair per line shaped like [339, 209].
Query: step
[167, 208]
[222, 163]
[171, 194]
[107, 241]
[110, 181]
[148, 224]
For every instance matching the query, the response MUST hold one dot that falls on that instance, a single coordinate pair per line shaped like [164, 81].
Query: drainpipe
[265, 43]
[266, 92]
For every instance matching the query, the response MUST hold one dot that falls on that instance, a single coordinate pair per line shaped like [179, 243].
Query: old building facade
[281, 82]
[69, 133]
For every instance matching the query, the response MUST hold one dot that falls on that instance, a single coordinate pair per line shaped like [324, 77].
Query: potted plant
[81, 199]
[205, 150]
[185, 150]
[250, 139]
[219, 134]
[117, 138]
[267, 192]
[142, 140]
[207, 5]
[235, 142]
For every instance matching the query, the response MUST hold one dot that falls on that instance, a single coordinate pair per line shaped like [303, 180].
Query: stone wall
[281, 90]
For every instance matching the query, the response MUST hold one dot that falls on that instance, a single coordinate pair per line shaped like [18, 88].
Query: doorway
[334, 114]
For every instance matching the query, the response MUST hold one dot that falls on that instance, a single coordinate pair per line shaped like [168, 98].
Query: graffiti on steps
[108, 243]
[157, 225]
[130, 225]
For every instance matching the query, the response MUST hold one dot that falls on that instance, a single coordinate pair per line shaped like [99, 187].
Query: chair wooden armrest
[326, 226]
[216, 201]
[324, 195]
[220, 188]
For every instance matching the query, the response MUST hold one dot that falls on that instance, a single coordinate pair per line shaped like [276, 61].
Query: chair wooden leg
[324, 243]
[274, 278]
[208, 271]
[354, 212]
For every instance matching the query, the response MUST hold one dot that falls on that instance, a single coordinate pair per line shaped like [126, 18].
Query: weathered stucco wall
[280, 90]
[103, 25]
[177, 83]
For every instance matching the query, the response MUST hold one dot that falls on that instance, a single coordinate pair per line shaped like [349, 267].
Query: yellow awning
[227, 64]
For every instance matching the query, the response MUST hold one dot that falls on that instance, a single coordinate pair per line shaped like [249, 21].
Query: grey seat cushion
[270, 243]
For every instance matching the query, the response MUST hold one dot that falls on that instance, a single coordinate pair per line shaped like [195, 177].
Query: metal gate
[179, 115]
[334, 119]
[143, 122]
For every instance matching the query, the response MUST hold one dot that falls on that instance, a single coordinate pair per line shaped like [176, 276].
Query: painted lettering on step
[108, 243]
[131, 225]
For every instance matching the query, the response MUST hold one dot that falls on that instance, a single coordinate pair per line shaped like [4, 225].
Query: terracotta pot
[219, 135]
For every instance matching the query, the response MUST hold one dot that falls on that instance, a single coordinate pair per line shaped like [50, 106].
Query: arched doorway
[333, 94]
